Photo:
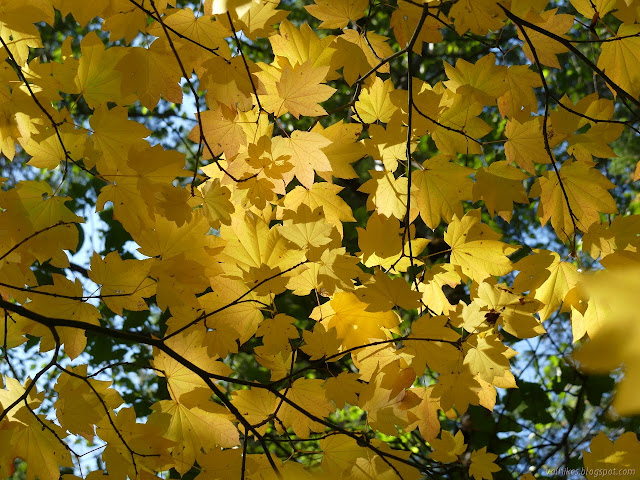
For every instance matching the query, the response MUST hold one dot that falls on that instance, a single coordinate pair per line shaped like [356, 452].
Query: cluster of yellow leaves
[279, 228]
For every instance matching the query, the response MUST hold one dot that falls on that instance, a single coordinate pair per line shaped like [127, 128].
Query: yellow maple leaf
[404, 22]
[424, 347]
[276, 332]
[192, 346]
[343, 150]
[309, 395]
[113, 135]
[427, 413]
[548, 276]
[484, 79]
[340, 453]
[586, 189]
[387, 194]
[388, 144]
[546, 47]
[302, 45]
[306, 155]
[486, 356]
[375, 102]
[216, 202]
[218, 7]
[343, 389]
[305, 227]
[620, 60]
[476, 248]
[151, 73]
[519, 99]
[499, 186]
[351, 59]
[195, 423]
[514, 312]
[431, 287]
[525, 144]
[97, 78]
[383, 293]
[589, 8]
[47, 151]
[68, 305]
[301, 90]
[459, 125]
[354, 323]
[17, 29]
[320, 342]
[482, 466]
[447, 448]
[40, 447]
[256, 405]
[337, 13]
[125, 283]
[477, 16]
[381, 244]
[81, 405]
[595, 142]
[438, 199]
[324, 195]
[259, 19]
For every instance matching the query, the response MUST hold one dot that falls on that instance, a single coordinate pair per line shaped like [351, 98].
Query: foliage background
[556, 409]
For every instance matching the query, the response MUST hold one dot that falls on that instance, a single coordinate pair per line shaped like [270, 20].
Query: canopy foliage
[354, 239]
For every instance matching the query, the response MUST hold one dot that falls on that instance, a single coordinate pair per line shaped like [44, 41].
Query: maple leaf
[476, 248]
[239, 7]
[301, 89]
[485, 79]
[181, 380]
[375, 103]
[112, 137]
[47, 151]
[195, 424]
[125, 283]
[82, 404]
[384, 292]
[479, 17]
[354, 323]
[437, 199]
[482, 465]
[309, 395]
[256, 405]
[620, 60]
[306, 155]
[387, 194]
[500, 186]
[546, 48]
[550, 278]
[339, 453]
[276, 331]
[586, 189]
[302, 45]
[216, 202]
[321, 342]
[519, 99]
[337, 13]
[404, 22]
[447, 448]
[97, 79]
